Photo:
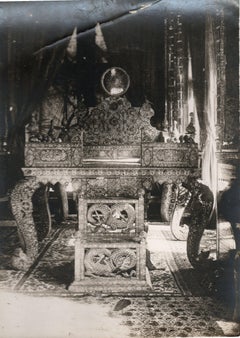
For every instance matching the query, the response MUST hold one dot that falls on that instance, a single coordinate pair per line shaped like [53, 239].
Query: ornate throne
[106, 152]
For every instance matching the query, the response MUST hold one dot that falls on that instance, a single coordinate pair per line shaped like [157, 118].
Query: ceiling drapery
[35, 35]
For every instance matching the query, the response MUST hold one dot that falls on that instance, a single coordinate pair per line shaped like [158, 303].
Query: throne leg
[22, 208]
[41, 212]
[63, 201]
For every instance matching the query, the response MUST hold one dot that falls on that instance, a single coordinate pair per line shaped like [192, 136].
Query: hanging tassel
[100, 41]
[72, 46]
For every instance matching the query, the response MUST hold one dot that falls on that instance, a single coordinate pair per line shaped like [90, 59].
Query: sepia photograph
[119, 169]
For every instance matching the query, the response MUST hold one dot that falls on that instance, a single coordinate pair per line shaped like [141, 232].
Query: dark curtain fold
[27, 80]
[32, 78]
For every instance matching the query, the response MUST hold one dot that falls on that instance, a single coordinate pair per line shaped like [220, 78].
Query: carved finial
[190, 130]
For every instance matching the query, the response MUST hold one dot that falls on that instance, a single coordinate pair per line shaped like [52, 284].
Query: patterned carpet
[182, 303]
[54, 269]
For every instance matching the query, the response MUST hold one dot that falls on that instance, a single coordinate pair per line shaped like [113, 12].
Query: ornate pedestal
[110, 248]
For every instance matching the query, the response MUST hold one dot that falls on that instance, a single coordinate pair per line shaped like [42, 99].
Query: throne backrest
[115, 122]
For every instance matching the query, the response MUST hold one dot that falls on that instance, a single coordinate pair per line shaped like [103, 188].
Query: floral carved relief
[114, 121]
[110, 262]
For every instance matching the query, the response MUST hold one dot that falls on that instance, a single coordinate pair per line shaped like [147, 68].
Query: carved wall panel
[231, 130]
[175, 64]
[219, 32]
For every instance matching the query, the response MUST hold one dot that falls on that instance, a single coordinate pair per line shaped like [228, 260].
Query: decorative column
[219, 31]
[175, 66]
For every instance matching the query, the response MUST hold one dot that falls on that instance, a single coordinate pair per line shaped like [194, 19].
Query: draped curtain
[209, 160]
[204, 81]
